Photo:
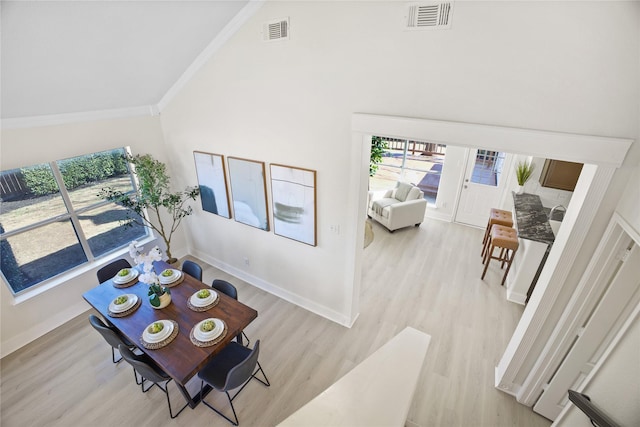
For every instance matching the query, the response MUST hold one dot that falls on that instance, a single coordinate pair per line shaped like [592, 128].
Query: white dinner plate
[165, 280]
[211, 335]
[200, 302]
[133, 273]
[132, 299]
[163, 334]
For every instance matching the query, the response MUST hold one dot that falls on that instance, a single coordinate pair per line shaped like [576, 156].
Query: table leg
[193, 400]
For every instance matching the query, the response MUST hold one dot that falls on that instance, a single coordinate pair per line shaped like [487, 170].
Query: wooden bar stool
[496, 216]
[505, 238]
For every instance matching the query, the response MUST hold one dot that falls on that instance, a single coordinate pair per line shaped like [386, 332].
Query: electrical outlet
[335, 229]
[246, 262]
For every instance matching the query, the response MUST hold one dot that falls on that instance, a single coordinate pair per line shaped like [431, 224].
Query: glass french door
[484, 183]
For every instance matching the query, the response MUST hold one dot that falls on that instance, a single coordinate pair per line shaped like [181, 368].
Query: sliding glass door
[416, 162]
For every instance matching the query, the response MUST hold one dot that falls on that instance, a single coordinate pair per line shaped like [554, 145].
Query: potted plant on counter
[152, 196]
[524, 170]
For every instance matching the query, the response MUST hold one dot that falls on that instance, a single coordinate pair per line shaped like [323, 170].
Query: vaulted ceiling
[60, 57]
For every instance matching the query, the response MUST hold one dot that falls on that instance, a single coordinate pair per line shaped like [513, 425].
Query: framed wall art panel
[249, 192]
[212, 179]
[293, 195]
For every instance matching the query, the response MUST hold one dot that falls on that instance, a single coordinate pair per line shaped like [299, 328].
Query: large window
[417, 162]
[51, 219]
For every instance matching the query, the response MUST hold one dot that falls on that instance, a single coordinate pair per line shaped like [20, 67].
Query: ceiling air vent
[425, 16]
[276, 30]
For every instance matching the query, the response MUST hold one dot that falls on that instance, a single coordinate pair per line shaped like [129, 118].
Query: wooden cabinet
[560, 175]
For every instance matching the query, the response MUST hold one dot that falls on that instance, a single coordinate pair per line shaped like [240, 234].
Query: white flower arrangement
[146, 260]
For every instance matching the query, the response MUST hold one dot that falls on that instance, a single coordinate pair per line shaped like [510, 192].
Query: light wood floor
[426, 277]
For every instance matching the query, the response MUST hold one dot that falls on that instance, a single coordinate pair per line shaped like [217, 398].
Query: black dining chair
[150, 372]
[233, 367]
[229, 290]
[111, 336]
[110, 270]
[192, 269]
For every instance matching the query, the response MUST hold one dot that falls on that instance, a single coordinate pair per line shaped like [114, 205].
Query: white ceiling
[63, 57]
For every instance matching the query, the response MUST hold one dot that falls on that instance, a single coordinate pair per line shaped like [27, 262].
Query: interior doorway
[605, 154]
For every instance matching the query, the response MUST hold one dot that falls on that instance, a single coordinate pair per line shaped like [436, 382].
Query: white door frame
[601, 155]
[631, 319]
[603, 293]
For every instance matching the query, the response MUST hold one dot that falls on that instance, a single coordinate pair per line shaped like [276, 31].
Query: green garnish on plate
[207, 326]
[155, 327]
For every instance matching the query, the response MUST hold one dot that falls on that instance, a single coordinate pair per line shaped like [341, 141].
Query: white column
[536, 322]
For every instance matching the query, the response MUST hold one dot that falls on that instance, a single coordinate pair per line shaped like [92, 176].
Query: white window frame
[72, 214]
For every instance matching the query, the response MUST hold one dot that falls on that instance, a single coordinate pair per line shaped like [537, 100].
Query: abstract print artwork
[213, 183]
[293, 194]
[249, 192]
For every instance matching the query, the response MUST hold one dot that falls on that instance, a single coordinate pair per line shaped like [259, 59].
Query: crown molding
[227, 32]
[61, 119]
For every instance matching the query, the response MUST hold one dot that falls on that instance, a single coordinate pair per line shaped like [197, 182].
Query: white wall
[22, 323]
[290, 102]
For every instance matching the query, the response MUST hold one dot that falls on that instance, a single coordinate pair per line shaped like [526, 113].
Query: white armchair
[397, 208]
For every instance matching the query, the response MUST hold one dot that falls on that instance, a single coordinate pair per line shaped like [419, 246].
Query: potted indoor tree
[524, 170]
[153, 195]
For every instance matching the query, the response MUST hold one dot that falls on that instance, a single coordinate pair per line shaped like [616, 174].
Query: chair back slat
[192, 269]
[240, 373]
[225, 287]
[147, 371]
[107, 333]
[110, 270]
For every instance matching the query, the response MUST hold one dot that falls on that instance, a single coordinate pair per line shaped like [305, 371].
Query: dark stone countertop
[531, 220]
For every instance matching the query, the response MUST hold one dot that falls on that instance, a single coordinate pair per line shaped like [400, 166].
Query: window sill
[65, 277]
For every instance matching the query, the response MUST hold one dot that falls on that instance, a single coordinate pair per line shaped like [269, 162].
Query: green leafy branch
[378, 147]
[153, 194]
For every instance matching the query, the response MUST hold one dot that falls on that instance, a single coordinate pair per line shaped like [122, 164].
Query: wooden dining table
[181, 359]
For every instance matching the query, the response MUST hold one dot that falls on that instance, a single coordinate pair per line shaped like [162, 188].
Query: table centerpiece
[159, 296]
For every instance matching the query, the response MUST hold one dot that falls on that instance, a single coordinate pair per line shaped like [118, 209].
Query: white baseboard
[516, 297]
[40, 329]
[63, 316]
[434, 214]
[506, 389]
[273, 289]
